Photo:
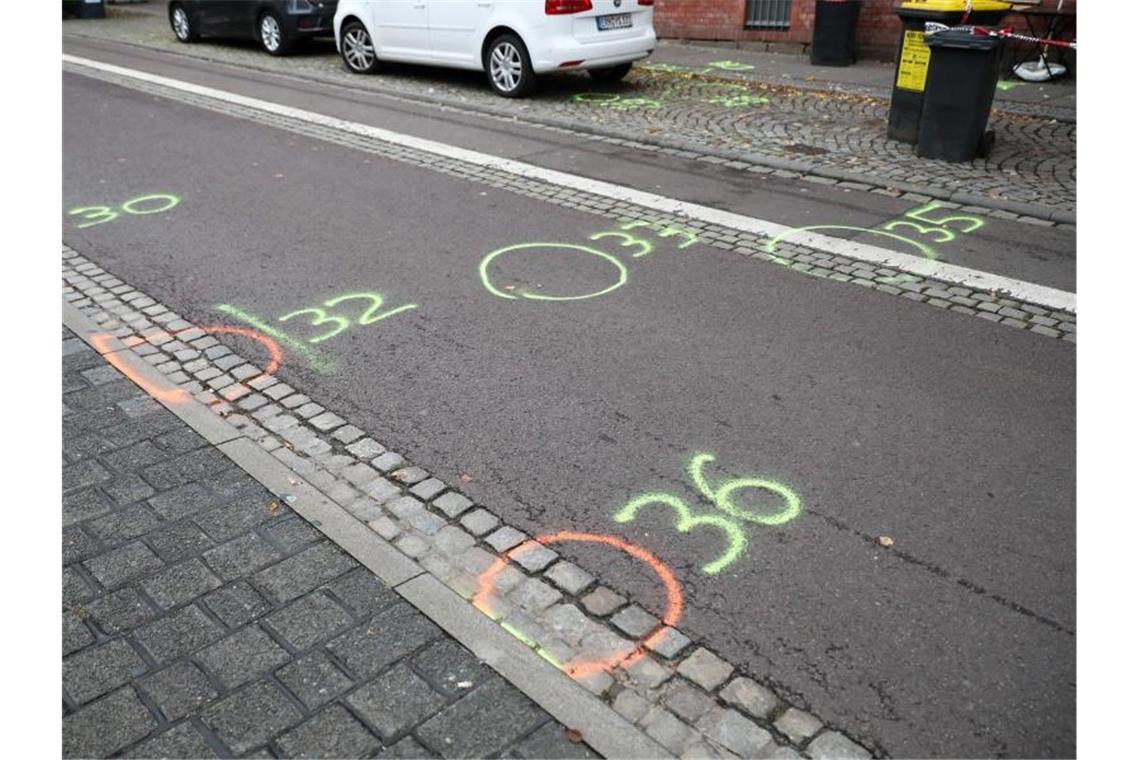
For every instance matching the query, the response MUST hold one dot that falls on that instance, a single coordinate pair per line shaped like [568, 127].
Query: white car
[511, 40]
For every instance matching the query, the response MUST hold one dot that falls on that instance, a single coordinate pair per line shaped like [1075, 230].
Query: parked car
[511, 40]
[276, 24]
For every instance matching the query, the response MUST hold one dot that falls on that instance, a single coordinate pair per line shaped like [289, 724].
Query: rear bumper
[308, 25]
[594, 54]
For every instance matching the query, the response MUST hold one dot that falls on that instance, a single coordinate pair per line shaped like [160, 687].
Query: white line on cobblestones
[1026, 291]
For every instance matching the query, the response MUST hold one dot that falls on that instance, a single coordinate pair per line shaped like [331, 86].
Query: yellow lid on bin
[951, 6]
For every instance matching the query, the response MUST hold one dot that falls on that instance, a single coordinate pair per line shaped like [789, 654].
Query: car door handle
[483, 5]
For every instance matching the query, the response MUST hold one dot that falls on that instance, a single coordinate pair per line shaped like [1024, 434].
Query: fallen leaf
[573, 736]
[886, 541]
[466, 477]
[274, 506]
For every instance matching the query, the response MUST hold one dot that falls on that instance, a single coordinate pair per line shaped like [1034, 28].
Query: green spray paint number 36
[141, 206]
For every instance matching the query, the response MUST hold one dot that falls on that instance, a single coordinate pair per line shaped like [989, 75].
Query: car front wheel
[180, 22]
[357, 50]
[508, 67]
[271, 34]
[611, 73]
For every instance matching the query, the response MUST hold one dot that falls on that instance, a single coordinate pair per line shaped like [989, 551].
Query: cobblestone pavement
[838, 133]
[677, 692]
[203, 618]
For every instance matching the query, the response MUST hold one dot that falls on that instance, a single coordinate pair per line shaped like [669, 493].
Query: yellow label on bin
[914, 60]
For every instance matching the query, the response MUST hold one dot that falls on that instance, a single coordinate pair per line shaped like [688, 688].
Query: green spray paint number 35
[140, 206]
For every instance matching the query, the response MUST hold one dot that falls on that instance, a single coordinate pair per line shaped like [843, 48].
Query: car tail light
[559, 7]
[645, 2]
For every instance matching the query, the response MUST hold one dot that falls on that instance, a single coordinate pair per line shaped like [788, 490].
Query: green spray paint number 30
[141, 206]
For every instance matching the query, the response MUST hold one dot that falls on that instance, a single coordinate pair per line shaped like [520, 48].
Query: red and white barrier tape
[1007, 33]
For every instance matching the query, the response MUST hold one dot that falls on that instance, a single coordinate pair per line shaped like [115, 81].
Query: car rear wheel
[180, 22]
[271, 34]
[611, 73]
[357, 50]
[507, 64]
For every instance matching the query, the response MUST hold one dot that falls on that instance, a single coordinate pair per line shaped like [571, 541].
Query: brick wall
[877, 32]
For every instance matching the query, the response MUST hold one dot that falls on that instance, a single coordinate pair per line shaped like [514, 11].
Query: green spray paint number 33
[140, 206]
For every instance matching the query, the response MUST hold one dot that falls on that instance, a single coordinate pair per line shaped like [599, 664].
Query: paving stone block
[390, 635]
[451, 540]
[333, 732]
[631, 705]
[362, 592]
[123, 524]
[568, 623]
[428, 523]
[733, 731]
[366, 448]
[668, 642]
[304, 571]
[798, 725]
[647, 672]
[569, 577]
[326, 421]
[105, 727]
[412, 545]
[534, 596]
[180, 583]
[292, 533]
[251, 716]
[98, 670]
[705, 669]
[832, 745]
[359, 474]
[602, 601]
[75, 632]
[752, 698]
[242, 656]
[236, 604]
[382, 490]
[385, 527]
[551, 741]
[533, 557]
[119, 611]
[485, 721]
[185, 631]
[124, 564]
[479, 522]
[179, 690]
[241, 556]
[314, 679]
[452, 504]
[396, 701]
[308, 620]
[664, 728]
[686, 701]
[182, 740]
[427, 489]
[410, 475]
[388, 461]
[634, 621]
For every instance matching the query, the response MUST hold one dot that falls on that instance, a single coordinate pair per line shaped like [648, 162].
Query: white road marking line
[971, 278]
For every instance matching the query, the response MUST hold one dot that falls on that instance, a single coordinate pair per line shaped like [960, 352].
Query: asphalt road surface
[951, 435]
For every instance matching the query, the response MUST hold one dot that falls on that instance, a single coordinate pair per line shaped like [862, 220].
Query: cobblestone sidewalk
[826, 132]
[203, 618]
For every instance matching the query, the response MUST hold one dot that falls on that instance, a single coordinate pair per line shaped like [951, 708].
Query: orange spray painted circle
[675, 603]
[270, 344]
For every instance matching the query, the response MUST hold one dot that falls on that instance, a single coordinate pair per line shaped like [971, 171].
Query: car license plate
[616, 21]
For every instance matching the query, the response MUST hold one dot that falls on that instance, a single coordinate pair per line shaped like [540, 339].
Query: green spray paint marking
[729, 66]
[614, 101]
[938, 229]
[484, 276]
[737, 101]
[665, 230]
[320, 316]
[317, 362]
[135, 206]
[1008, 84]
[721, 498]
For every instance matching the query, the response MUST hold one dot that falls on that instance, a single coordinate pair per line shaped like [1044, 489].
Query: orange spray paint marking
[173, 395]
[270, 345]
[673, 594]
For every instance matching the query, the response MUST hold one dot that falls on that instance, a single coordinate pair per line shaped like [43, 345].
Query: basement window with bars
[768, 14]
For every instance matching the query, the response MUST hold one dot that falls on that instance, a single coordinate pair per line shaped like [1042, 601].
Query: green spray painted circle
[623, 273]
[596, 97]
[927, 251]
[723, 500]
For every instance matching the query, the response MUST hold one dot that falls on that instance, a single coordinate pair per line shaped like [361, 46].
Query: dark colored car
[276, 24]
